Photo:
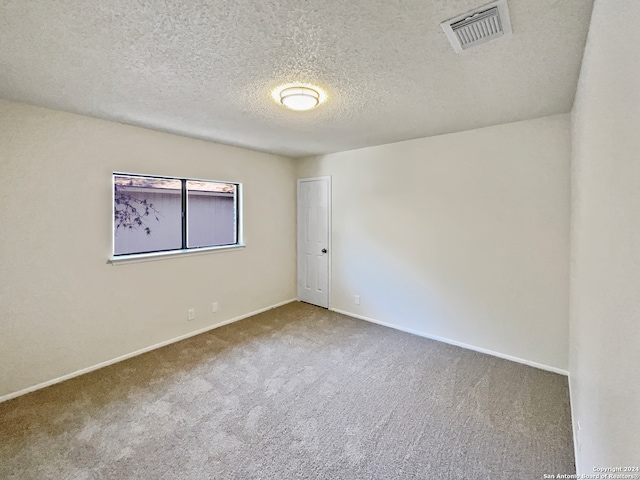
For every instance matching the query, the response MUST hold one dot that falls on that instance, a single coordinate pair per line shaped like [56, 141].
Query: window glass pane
[147, 214]
[211, 214]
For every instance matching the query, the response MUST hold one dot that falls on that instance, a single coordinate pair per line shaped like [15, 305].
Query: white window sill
[151, 257]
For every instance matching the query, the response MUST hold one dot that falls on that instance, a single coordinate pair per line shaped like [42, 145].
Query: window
[163, 214]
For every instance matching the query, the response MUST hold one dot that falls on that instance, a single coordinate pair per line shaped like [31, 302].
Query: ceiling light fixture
[300, 98]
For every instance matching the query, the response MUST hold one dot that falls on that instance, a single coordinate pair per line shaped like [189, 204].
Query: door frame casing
[329, 232]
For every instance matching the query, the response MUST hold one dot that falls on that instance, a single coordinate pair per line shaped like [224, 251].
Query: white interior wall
[462, 236]
[62, 307]
[605, 272]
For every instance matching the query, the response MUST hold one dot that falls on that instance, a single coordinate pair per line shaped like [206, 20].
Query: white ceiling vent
[478, 26]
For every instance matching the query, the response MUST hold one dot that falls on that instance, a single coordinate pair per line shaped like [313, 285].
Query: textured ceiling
[206, 68]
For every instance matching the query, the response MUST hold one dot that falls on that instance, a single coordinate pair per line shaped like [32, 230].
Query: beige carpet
[295, 393]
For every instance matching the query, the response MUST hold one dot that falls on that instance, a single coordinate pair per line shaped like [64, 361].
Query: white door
[314, 210]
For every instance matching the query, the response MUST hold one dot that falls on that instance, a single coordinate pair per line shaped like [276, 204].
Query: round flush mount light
[299, 97]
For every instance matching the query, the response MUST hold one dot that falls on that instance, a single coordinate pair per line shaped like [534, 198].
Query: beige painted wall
[62, 307]
[605, 273]
[462, 236]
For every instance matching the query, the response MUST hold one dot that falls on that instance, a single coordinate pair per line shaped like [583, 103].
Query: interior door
[314, 253]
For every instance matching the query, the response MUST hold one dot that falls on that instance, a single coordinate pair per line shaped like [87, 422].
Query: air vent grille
[478, 26]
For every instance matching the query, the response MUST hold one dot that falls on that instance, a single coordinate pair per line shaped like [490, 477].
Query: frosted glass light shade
[299, 98]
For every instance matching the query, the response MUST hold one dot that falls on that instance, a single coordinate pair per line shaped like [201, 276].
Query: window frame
[185, 249]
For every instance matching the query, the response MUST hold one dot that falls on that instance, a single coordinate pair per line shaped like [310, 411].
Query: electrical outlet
[356, 299]
[214, 307]
[191, 314]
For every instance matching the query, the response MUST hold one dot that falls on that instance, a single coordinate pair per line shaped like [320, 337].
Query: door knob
[324, 250]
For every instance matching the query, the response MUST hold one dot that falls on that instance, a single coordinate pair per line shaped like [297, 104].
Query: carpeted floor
[295, 393]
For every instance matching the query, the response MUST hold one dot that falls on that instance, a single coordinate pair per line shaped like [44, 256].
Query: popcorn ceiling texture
[206, 68]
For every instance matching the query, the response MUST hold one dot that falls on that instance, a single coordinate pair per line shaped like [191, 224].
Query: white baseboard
[456, 343]
[77, 373]
[574, 427]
